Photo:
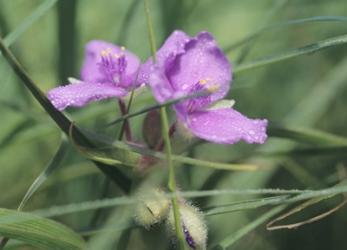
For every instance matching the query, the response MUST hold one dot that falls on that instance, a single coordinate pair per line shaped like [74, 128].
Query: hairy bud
[152, 208]
[193, 225]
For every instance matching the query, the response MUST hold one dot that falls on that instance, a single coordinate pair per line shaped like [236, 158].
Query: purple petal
[90, 71]
[80, 94]
[203, 62]
[173, 46]
[161, 88]
[227, 126]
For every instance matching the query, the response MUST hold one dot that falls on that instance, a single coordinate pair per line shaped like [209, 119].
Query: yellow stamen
[105, 52]
[203, 81]
[213, 88]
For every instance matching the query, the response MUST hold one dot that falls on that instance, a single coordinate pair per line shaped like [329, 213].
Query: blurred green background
[306, 92]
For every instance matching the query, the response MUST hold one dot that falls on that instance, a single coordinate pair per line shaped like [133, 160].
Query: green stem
[125, 128]
[167, 143]
[125, 125]
[172, 180]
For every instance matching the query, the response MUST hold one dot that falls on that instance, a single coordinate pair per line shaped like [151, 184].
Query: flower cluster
[184, 66]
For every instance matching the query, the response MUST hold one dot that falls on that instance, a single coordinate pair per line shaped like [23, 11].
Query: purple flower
[108, 71]
[186, 65]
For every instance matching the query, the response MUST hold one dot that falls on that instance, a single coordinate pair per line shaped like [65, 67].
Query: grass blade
[305, 135]
[60, 119]
[26, 24]
[299, 208]
[38, 232]
[54, 163]
[157, 106]
[231, 239]
[128, 154]
[281, 25]
[308, 49]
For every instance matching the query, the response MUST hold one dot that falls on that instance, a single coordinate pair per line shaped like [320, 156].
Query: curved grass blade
[116, 157]
[281, 25]
[34, 16]
[123, 32]
[276, 8]
[39, 232]
[308, 49]
[310, 136]
[25, 112]
[127, 154]
[156, 106]
[300, 195]
[311, 151]
[11, 135]
[231, 239]
[240, 206]
[54, 163]
[60, 119]
[107, 146]
[299, 208]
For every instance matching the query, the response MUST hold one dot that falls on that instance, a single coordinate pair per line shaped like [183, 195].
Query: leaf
[245, 205]
[38, 232]
[299, 208]
[300, 195]
[308, 49]
[231, 239]
[26, 24]
[306, 135]
[157, 106]
[60, 119]
[16, 130]
[310, 151]
[285, 24]
[111, 156]
[128, 154]
[54, 163]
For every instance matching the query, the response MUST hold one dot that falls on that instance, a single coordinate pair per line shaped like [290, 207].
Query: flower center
[112, 65]
[199, 102]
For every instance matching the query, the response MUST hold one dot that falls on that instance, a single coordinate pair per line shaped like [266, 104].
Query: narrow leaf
[305, 135]
[54, 163]
[60, 119]
[308, 49]
[26, 24]
[282, 25]
[38, 232]
[234, 237]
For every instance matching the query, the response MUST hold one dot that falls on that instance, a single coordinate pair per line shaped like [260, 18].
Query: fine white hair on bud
[152, 207]
[193, 225]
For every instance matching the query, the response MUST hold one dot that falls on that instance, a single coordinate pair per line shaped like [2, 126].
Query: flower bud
[193, 225]
[152, 208]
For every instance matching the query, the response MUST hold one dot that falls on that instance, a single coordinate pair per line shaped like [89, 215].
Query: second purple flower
[186, 65]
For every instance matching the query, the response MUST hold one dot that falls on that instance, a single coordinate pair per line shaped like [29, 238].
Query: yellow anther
[103, 53]
[213, 88]
[122, 48]
[203, 81]
[106, 52]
